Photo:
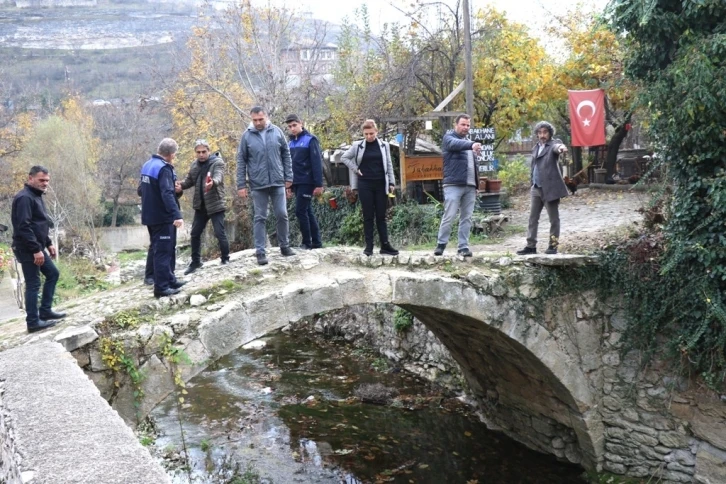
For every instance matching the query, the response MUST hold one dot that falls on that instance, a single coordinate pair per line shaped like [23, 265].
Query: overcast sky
[530, 12]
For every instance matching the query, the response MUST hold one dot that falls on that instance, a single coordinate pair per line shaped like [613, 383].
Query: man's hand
[179, 223]
[242, 192]
[288, 193]
[52, 251]
[318, 191]
[288, 184]
[476, 148]
[391, 188]
[562, 149]
[208, 186]
[177, 187]
[38, 258]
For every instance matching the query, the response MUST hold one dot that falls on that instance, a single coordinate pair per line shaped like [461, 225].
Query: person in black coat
[30, 241]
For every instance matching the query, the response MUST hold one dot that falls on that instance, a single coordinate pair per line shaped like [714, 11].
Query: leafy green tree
[512, 75]
[64, 143]
[595, 58]
[677, 52]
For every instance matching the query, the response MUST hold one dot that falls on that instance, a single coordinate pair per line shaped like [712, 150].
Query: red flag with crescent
[587, 117]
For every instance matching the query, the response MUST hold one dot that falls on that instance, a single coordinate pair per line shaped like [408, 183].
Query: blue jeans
[457, 197]
[261, 199]
[199, 224]
[31, 273]
[309, 229]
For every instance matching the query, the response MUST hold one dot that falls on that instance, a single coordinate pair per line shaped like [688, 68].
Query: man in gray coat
[206, 175]
[264, 165]
[547, 187]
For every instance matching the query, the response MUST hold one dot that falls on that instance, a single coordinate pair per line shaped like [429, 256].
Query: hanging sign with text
[424, 168]
[486, 137]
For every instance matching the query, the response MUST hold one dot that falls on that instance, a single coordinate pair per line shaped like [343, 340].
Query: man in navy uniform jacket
[161, 215]
[307, 179]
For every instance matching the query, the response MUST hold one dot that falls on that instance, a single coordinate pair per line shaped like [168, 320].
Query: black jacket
[30, 222]
[214, 198]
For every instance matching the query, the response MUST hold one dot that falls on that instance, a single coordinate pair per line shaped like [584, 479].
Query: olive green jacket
[213, 199]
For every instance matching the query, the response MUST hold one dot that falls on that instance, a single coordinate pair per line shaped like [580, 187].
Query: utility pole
[467, 59]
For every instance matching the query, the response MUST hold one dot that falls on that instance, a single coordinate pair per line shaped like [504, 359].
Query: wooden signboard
[419, 168]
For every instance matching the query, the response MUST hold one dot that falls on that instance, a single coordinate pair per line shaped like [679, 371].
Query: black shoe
[149, 281]
[261, 259]
[51, 315]
[177, 284]
[465, 252]
[527, 251]
[304, 246]
[551, 250]
[387, 249]
[318, 246]
[41, 325]
[440, 249]
[224, 261]
[287, 251]
[368, 251]
[193, 266]
[165, 293]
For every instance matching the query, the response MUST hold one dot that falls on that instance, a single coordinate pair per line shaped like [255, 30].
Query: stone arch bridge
[545, 370]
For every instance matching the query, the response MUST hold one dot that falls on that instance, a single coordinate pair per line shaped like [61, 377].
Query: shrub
[514, 173]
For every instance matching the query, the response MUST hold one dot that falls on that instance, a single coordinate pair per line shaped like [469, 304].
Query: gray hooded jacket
[263, 162]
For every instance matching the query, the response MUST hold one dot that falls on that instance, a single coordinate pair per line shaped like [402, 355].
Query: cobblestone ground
[587, 219]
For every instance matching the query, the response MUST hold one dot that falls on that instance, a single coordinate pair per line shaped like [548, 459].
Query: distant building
[310, 59]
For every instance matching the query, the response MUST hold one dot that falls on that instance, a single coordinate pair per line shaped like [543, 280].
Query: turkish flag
[587, 117]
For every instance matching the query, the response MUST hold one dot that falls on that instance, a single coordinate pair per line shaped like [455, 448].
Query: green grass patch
[78, 277]
[131, 256]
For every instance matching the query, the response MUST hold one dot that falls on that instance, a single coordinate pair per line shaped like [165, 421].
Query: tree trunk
[115, 212]
[614, 147]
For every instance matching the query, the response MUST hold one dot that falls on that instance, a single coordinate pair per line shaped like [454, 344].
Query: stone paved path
[585, 220]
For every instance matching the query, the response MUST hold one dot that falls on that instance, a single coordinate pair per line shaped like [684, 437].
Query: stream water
[287, 413]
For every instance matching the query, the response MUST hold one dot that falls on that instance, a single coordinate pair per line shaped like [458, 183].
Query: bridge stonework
[548, 372]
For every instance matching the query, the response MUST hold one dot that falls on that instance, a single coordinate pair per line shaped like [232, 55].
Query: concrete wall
[134, 237]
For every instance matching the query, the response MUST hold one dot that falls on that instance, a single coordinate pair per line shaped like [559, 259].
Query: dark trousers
[149, 272]
[163, 246]
[374, 203]
[31, 273]
[537, 202]
[199, 224]
[309, 228]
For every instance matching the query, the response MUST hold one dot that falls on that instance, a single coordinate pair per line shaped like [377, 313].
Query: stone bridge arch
[528, 381]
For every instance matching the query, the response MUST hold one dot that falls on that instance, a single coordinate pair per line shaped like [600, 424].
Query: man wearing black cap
[307, 179]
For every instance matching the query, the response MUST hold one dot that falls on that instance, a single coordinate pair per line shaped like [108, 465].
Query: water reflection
[287, 411]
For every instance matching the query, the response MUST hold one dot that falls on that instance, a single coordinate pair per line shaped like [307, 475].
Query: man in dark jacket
[30, 239]
[307, 179]
[161, 215]
[206, 175]
[547, 187]
[264, 165]
[461, 179]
